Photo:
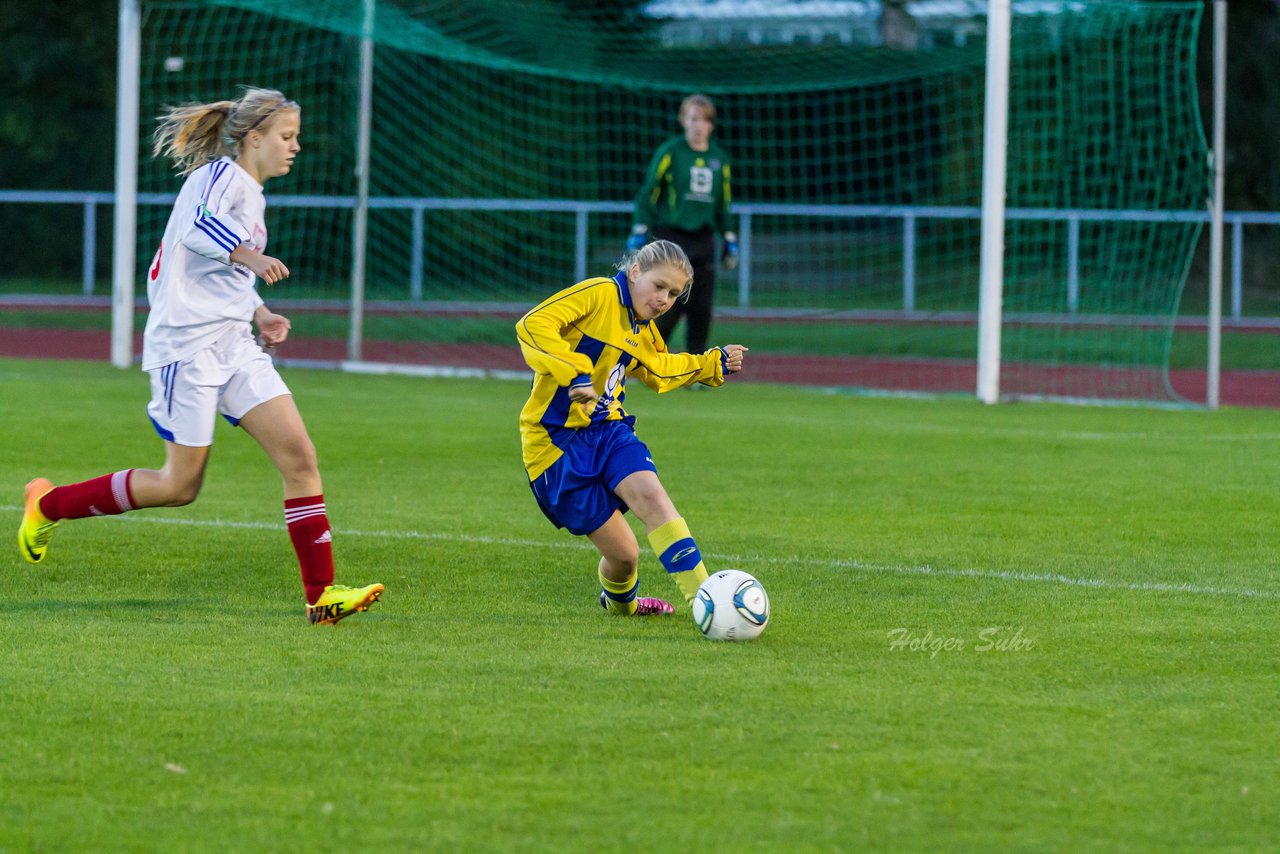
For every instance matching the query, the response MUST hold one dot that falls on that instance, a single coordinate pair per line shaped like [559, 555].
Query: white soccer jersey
[195, 292]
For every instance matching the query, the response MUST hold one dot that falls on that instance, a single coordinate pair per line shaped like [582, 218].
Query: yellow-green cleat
[35, 531]
[339, 602]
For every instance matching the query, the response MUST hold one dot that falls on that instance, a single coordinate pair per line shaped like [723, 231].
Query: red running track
[1237, 388]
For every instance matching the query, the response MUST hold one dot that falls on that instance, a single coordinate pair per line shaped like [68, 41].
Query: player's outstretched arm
[270, 270]
[663, 371]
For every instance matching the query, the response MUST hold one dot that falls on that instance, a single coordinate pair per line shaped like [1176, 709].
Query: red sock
[108, 495]
[309, 530]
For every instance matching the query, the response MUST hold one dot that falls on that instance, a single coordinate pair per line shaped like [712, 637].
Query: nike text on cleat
[339, 602]
[35, 531]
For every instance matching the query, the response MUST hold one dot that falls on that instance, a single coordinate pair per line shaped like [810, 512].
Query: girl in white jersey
[199, 347]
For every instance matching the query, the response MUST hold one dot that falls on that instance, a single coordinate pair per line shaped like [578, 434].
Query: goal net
[509, 137]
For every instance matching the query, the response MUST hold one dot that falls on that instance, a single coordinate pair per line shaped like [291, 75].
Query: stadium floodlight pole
[1214, 372]
[360, 240]
[126, 211]
[994, 162]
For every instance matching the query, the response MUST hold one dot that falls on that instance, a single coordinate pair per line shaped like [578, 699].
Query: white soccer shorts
[231, 377]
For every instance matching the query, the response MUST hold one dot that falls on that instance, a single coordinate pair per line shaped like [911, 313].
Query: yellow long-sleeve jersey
[589, 333]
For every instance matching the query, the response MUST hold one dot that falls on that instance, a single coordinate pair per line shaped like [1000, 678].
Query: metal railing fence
[909, 215]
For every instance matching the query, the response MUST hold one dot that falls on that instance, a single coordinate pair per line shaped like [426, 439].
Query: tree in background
[57, 105]
[1252, 180]
[57, 125]
[1253, 101]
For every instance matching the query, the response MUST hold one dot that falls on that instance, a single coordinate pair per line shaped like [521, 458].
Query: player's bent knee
[622, 559]
[651, 503]
[630, 561]
[622, 567]
[166, 489]
[182, 494]
[302, 460]
[169, 498]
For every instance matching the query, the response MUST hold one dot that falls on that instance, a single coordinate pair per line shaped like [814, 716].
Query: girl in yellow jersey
[586, 465]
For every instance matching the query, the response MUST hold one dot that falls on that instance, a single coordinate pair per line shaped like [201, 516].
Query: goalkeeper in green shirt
[685, 199]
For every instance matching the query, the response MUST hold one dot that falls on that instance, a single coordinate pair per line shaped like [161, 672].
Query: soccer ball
[731, 605]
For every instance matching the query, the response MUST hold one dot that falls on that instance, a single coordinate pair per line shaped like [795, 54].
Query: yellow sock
[620, 596]
[674, 546]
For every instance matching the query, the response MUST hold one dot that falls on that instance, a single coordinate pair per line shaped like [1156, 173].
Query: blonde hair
[658, 253]
[703, 103]
[193, 134]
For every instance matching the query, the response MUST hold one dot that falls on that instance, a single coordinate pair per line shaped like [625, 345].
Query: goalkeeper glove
[639, 236]
[729, 255]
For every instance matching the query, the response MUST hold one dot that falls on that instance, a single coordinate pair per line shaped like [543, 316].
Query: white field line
[857, 427]
[559, 542]
[1088, 436]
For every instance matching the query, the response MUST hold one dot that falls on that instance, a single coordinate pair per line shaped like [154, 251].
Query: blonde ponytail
[193, 134]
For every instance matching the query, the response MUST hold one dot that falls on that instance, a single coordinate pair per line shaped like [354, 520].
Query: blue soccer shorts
[576, 492]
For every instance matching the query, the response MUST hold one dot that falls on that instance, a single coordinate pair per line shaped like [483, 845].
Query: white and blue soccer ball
[731, 605]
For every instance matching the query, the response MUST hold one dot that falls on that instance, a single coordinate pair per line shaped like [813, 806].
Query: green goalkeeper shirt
[685, 188]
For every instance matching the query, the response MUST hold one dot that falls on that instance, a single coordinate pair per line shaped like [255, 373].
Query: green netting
[509, 138]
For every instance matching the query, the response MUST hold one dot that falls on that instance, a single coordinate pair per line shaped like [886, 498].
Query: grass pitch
[1021, 627]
